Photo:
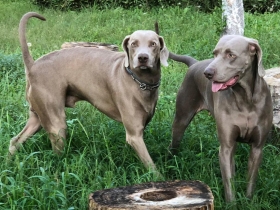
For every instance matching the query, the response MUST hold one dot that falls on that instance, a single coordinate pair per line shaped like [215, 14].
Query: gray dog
[230, 86]
[123, 85]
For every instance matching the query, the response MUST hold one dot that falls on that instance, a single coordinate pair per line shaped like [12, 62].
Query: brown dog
[123, 85]
[231, 87]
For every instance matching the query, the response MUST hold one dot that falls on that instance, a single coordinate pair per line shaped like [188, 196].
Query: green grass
[96, 155]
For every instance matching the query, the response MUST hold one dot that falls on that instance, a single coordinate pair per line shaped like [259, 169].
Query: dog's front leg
[135, 140]
[134, 137]
[227, 164]
[227, 169]
[253, 166]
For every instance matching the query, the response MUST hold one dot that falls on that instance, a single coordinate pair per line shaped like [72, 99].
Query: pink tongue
[231, 81]
[216, 86]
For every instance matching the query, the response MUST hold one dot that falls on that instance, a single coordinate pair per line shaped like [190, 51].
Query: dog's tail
[27, 58]
[183, 59]
[180, 58]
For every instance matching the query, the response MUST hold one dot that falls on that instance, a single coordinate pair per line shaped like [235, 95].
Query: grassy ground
[96, 155]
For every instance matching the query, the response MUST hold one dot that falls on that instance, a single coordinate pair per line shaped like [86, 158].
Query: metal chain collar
[142, 85]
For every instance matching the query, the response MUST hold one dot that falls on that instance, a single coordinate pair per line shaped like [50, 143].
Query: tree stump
[272, 78]
[99, 45]
[187, 195]
[233, 13]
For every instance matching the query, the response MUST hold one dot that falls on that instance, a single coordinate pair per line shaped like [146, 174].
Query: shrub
[100, 4]
[11, 64]
[261, 6]
[254, 6]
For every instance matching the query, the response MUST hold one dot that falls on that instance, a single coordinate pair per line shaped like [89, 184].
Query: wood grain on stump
[272, 78]
[188, 195]
[99, 45]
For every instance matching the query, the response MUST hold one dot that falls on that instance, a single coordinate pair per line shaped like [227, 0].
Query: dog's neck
[248, 82]
[146, 80]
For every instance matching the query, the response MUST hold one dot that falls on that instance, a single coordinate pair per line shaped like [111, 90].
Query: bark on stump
[233, 13]
[99, 45]
[272, 78]
[187, 195]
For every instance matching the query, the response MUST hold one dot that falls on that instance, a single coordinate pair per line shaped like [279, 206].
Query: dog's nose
[143, 57]
[209, 72]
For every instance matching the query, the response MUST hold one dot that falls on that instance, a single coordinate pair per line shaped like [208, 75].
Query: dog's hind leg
[32, 126]
[55, 125]
[50, 108]
[188, 103]
[57, 138]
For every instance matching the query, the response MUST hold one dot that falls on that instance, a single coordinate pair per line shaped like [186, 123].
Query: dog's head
[144, 49]
[233, 56]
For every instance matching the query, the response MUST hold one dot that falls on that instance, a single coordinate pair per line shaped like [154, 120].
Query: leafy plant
[12, 65]
[259, 6]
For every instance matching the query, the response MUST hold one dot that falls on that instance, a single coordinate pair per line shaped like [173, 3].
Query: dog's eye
[231, 55]
[215, 53]
[153, 44]
[133, 44]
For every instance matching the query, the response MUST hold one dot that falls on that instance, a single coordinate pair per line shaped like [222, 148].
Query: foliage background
[96, 155]
[259, 6]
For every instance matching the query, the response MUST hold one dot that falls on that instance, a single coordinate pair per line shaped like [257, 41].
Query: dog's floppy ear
[163, 52]
[156, 28]
[125, 48]
[255, 49]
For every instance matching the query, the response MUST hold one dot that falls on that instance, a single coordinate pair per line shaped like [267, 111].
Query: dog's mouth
[143, 67]
[217, 86]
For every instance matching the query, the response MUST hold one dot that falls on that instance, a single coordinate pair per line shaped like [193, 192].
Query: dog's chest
[149, 101]
[247, 122]
[242, 118]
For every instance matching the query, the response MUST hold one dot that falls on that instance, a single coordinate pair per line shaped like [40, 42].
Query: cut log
[272, 78]
[187, 195]
[99, 45]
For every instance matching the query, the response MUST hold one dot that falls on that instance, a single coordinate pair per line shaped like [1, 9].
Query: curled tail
[28, 60]
[183, 59]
